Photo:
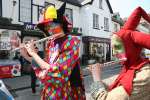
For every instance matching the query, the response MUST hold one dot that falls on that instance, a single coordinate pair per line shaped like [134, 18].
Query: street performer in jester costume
[133, 82]
[60, 71]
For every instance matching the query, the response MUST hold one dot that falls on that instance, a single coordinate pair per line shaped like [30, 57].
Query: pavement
[20, 89]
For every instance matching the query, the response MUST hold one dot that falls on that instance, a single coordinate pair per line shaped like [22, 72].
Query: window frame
[106, 24]
[96, 21]
[1, 8]
[39, 8]
[48, 4]
[115, 27]
[71, 14]
[19, 18]
[100, 4]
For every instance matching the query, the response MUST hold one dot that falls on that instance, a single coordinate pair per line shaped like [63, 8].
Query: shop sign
[5, 45]
[95, 39]
[28, 26]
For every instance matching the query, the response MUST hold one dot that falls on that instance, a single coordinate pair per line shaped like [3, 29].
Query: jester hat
[51, 14]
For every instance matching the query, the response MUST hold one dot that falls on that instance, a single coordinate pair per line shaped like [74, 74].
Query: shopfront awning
[95, 39]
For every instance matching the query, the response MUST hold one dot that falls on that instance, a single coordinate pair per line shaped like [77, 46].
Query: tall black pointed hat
[53, 15]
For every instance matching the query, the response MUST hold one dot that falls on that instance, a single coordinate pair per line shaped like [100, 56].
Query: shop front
[96, 48]
[10, 37]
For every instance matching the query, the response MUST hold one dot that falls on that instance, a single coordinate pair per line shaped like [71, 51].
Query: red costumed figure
[133, 41]
[133, 83]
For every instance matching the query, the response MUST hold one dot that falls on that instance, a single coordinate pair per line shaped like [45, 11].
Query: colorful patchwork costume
[62, 81]
[133, 83]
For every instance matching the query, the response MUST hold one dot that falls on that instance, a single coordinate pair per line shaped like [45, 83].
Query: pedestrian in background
[26, 62]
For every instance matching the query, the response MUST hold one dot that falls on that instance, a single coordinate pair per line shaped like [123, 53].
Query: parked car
[10, 68]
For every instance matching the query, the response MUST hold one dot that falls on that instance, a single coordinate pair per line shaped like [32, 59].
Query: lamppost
[14, 4]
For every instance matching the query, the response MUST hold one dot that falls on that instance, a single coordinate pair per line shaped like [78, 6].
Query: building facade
[16, 23]
[97, 29]
[92, 18]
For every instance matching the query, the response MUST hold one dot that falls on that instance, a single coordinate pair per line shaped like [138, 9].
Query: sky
[125, 7]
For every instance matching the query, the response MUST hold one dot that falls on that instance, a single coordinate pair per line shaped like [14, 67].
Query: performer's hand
[30, 48]
[95, 70]
[42, 74]
[23, 51]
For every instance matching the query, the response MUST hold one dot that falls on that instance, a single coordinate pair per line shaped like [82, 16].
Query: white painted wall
[38, 2]
[87, 19]
[85, 12]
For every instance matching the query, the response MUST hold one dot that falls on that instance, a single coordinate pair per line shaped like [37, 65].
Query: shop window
[95, 21]
[25, 11]
[41, 10]
[100, 50]
[96, 51]
[35, 17]
[40, 13]
[9, 39]
[69, 14]
[100, 4]
[106, 24]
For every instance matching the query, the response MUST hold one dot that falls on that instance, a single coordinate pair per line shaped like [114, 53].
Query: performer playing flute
[60, 72]
[133, 83]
